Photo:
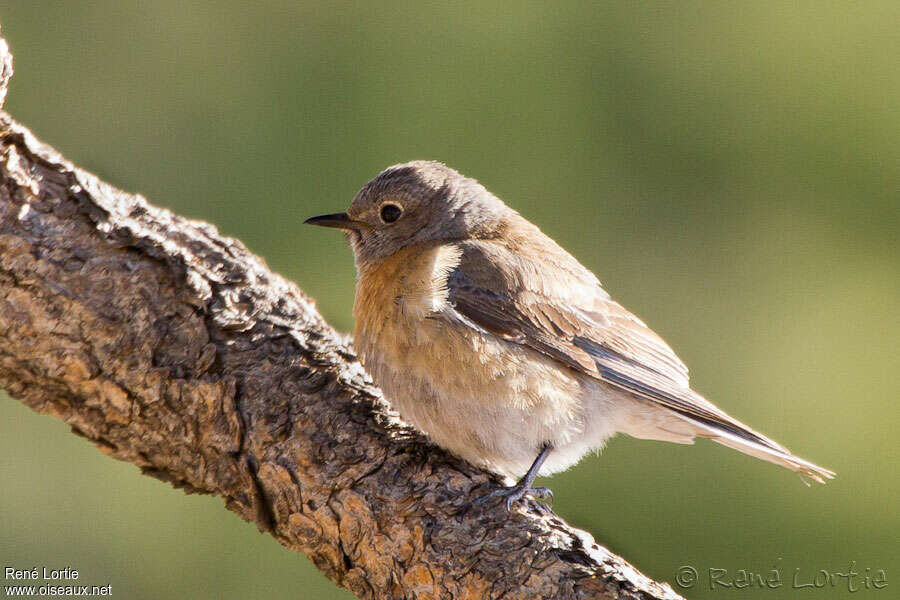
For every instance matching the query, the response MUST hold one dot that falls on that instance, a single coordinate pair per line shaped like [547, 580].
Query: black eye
[390, 213]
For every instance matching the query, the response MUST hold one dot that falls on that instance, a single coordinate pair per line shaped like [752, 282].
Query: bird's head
[415, 202]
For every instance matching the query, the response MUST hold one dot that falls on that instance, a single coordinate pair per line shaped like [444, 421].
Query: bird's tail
[734, 434]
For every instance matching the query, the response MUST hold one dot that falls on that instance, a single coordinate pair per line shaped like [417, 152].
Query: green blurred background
[731, 171]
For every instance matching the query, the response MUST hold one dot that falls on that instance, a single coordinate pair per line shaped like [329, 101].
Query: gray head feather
[437, 203]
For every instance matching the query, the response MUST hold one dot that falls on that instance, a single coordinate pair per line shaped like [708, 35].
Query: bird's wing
[542, 298]
[514, 298]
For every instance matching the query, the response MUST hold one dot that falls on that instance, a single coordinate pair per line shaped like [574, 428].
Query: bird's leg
[523, 487]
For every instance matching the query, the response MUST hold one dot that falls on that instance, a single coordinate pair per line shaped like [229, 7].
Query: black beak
[338, 221]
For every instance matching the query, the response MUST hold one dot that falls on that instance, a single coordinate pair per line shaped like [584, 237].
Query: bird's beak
[338, 221]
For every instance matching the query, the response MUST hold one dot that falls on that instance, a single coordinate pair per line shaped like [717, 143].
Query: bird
[500, 346]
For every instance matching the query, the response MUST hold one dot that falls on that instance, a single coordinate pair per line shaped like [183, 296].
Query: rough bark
[176, 349]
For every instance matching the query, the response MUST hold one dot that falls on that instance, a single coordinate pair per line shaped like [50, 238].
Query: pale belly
[489, 401]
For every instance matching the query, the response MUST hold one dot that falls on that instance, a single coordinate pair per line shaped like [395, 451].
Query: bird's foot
[517, 492]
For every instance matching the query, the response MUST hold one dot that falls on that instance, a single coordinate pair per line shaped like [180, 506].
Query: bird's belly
[491, 402]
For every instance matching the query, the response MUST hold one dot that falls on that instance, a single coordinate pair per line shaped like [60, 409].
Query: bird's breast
[472, 392]
[394, 296]
[394, 301]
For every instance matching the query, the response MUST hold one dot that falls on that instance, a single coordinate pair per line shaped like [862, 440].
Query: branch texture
[176, 349]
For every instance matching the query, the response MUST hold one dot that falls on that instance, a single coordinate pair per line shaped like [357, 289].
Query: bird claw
[518, 492]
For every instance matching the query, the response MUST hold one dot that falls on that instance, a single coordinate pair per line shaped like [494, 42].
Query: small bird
[500, 346]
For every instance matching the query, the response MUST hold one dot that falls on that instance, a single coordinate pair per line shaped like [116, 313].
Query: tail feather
[742, 438]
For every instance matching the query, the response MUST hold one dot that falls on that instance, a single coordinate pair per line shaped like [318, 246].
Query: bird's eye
[390, 213]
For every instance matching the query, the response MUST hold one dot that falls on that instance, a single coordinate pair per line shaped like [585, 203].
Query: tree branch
[176, 349]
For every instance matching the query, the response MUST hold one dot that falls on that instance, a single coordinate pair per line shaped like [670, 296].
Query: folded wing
[594, 335]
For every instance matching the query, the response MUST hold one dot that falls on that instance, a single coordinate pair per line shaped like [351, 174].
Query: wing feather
[595, 336]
